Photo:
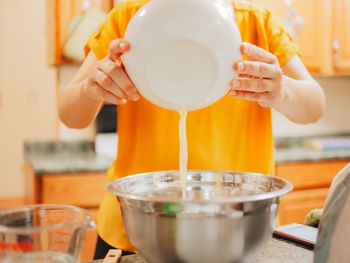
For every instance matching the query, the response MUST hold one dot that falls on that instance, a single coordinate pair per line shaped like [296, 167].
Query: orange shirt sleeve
[109, 30]
[113, 27]
[280, 43]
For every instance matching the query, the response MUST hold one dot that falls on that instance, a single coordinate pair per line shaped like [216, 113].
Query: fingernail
[123, 101]
[233, 93]
[122, 45]
[135, 97]
[238, 66]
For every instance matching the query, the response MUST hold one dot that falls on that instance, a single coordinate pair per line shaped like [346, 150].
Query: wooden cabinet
[79, 189]
[341, 38]
[59, 14]
[297, 204]
[83, 190]
[311, 182]
[314, 38]
[324, 37]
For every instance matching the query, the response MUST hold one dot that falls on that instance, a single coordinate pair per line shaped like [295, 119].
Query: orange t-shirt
[232, 134]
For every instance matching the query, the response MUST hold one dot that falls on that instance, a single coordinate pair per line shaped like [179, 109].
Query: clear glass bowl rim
[88, 222]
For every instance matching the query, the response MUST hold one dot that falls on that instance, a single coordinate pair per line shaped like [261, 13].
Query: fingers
[117, 48]
[258, 69]
[109, 81]
[252, 96]
[253, 85]
[105, 82]
[259, 79]
[263, 64]
[121, 82]
[257, 54]
[262, 98]
[112, 66]
[96, 91]
[109, 97]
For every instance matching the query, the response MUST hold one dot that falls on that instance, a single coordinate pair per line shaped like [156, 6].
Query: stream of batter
[184, 159]
[183, 151]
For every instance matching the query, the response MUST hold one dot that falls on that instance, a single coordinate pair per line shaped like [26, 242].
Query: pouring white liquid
[183, 151]
[184, 159]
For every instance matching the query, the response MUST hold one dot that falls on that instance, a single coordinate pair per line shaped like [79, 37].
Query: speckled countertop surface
[65, 157]
[294, 149]
[277, 251]
[80, 156]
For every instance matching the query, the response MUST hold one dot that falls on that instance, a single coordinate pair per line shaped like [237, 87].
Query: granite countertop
[54, 157]
[296, 149]
[277, 251]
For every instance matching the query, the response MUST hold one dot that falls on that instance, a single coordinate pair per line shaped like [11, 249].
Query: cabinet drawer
[310, 174]
[84, 190]
[93, 213]
[89, 245]
[90, 239]
[296, 205]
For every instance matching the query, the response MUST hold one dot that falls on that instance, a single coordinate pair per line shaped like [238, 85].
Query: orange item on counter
[232, 134]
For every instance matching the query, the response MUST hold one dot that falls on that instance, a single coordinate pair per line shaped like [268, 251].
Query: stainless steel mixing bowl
[227, 216]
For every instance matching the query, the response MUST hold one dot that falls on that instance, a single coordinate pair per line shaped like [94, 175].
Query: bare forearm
[76, 110]
[302, 101]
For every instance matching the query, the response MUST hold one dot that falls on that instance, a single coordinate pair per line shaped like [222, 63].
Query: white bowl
[182, 52]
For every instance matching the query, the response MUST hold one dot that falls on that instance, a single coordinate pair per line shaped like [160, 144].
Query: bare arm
[291, 89]
[303, 100]
[95, 83]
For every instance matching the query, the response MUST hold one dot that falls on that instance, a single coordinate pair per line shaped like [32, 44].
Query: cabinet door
[314, 38]
[311, 181]
[341, 29]
[296, 205]
[59, 14]
[89, 246]
[308, 175]
[85, 190]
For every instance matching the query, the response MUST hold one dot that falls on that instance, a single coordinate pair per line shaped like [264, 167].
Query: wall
[27, 88]
[335, 119]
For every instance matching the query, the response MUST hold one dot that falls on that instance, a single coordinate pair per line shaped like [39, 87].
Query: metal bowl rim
[257, 197]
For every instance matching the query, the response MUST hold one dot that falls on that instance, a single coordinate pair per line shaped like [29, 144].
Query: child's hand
[109, 82]
[259, 79]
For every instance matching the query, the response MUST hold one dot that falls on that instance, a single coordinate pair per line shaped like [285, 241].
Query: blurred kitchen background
[41, 49]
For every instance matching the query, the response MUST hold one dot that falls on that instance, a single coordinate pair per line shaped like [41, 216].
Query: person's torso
[231, 134]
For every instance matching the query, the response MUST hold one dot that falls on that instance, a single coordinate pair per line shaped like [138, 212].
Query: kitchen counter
[58, 157]
[52, 157]
[277, 251]
[294, 149]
